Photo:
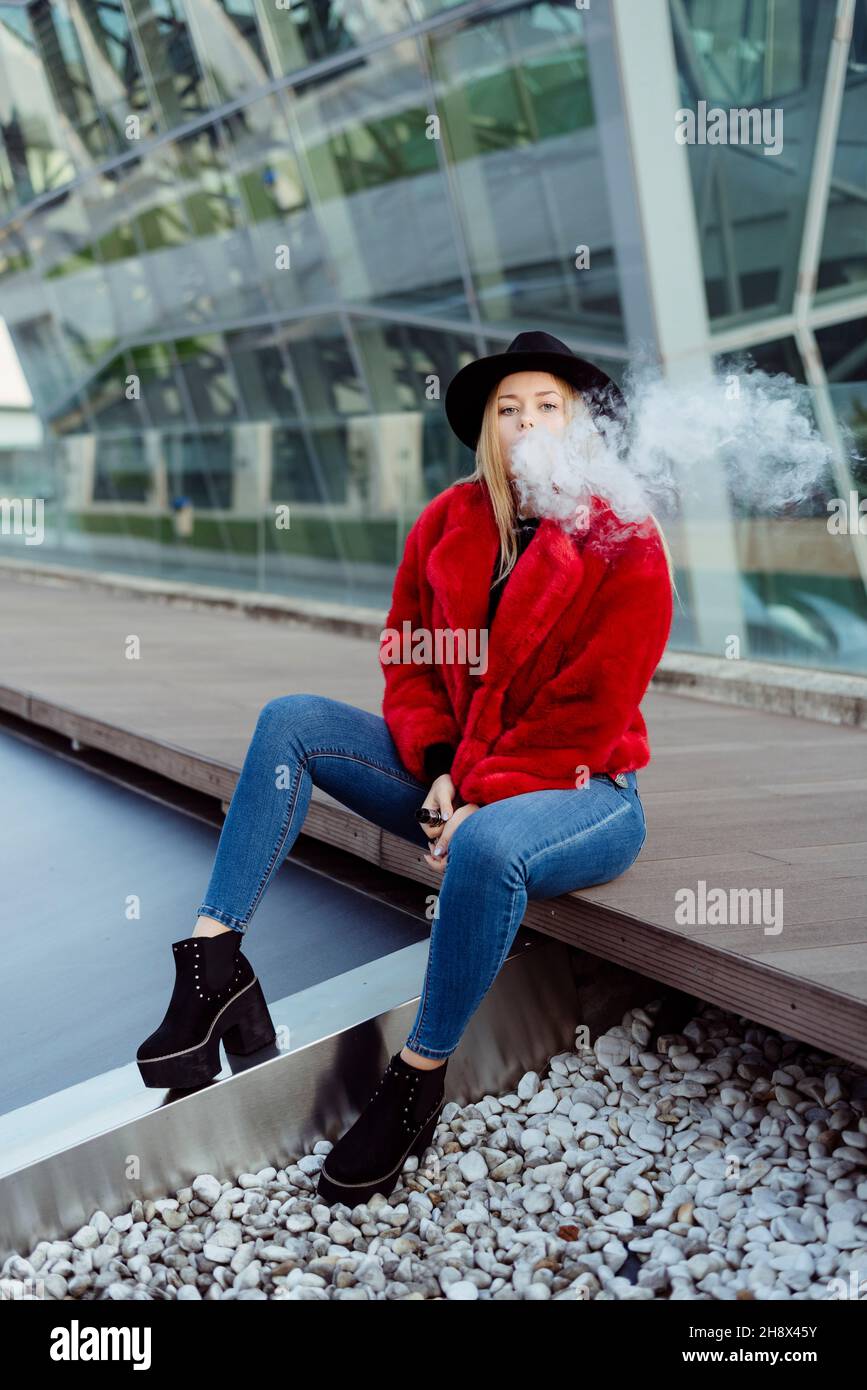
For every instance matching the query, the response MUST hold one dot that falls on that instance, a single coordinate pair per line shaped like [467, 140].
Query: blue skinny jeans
[535, 845]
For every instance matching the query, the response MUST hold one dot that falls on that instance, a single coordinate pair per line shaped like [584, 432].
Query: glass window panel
[29, 123]
[43, 364]
[85, 316]
[844, 352]
[60, 237]
[381, 202]
[518, 127]
[122, 471]
[752, 54]
[65, 323]
[116, 75]
[843, 264]
[176, 281]
[57, 43]
[297, 34]
[34, 334]
[211, 388]
[262, 373]
[329, 392]
[275, 207]
[7, 182]
[197, 256]
[110, 407]
[200, 467]
[216, 215]
[154, 365]
[72, 416]
[229, 46]
[14, 253]
[323, 368]
[293, 476]
[399, 361]
[62, 247]
[777, 355]
[174, 70]
[108, 203]
[802, 595]
[427, 9]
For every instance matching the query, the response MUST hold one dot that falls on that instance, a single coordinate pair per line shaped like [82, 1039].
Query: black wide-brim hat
[468, 390]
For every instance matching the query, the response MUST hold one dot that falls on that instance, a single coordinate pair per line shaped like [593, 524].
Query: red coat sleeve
[416, 705]
[578, 718]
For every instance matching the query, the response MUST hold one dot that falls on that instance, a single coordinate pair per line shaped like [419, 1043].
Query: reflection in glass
[299, 34]
[122, 471]
[382, 206]
[114, 70]
[229, 46]
[154, 366]
[844, 352]
[199, 466]
[58, 44]
[285, 240]
[113, 400]
[843, 264]
[408, 368]
[262, 374]
[802, 595]
[293, 476]
[750, 206]
[173, 67]
[323, 368]
[519, 130]
[14, 254]
[35, 152]
[202, 362]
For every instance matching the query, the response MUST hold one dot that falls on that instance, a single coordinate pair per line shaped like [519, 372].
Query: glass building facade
[245, 244]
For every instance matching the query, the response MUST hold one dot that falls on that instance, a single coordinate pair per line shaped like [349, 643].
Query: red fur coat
[581, 626]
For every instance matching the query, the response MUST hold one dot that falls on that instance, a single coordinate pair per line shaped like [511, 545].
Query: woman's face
[528, 401]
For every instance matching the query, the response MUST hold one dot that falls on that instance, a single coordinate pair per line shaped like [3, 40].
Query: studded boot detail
[216, 995]
[398, 1121]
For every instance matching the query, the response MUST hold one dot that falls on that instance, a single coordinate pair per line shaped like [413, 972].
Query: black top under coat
[438, 757]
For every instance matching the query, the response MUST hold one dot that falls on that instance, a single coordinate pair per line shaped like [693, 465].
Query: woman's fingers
[438, 864]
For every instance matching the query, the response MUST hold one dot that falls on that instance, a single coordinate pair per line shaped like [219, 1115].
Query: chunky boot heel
[399, 1120]
[425, 1139]
[254, 1030]
[216, 994]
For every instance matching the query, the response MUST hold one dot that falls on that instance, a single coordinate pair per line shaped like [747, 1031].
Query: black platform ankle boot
[216, 995]
[399, 1120]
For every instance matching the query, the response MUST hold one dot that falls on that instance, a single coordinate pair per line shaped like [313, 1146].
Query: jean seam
[398, 776]
[581, 833]
[285, 827]
[424, 998]
[228, 920]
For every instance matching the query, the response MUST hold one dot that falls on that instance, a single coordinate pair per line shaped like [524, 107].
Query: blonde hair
[491, 469]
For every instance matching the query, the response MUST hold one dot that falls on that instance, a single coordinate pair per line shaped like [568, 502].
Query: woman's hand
[441, 797]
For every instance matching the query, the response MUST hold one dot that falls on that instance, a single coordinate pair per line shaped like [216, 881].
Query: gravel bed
[727, 1161]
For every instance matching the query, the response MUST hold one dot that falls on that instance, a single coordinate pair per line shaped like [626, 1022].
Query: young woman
[522, 751]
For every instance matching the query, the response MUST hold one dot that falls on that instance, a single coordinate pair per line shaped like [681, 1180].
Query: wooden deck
[738, 798]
